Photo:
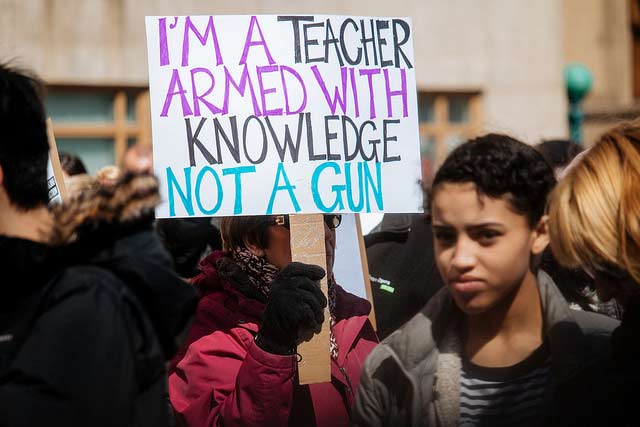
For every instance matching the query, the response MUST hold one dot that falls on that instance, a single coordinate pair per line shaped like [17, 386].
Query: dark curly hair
[500, 165]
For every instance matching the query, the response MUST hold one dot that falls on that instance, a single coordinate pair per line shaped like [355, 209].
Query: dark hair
[71, 164]
[572, 282]
[235, 230]
[558, 152]
[24, 148]
[499, 166]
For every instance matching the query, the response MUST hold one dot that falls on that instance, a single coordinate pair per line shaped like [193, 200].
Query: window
[97, 124]
[445, 120]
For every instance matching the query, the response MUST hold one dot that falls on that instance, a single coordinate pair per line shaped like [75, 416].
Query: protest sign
[258, 115]
[55, 178]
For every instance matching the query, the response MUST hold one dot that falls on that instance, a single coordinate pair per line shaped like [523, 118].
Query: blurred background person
[71, 164]
[255, 308]
[76, 177]
[188, 240]
[91, 308]
[594, 221]
[559, 153]
[576, 285]
[138, 158]
[402, 269]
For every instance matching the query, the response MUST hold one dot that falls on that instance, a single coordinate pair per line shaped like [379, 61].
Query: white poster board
[347, 268]
[52, 185]
[55, 178]
[255, 115]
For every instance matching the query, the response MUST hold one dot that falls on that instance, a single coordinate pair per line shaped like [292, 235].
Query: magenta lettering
[209, 32]
[264, 92]
[337, 98]
[175, 88]
[197, 99]
[249, 42]
[402, 92]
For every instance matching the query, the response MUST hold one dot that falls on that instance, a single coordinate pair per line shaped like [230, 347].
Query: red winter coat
[225, 379]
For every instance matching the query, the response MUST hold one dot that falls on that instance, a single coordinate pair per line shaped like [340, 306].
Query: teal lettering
[349, 182]
[185, 196]
[338, 189]
[377, 190]
[201, 176]
[287, 186]
[237, 206]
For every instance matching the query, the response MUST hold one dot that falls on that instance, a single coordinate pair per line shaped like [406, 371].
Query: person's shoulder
[79, 278]
[595, 323]
[594, 336]
[416, 341]
[350, 305]
[82, 301]
[406, 347]
[91, 287]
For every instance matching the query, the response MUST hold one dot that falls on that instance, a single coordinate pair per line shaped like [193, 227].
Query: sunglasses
[332, 221]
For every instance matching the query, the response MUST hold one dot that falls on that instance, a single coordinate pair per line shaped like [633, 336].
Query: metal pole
[578, 81]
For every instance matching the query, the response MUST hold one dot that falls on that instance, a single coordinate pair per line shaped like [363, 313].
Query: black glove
[295, 308]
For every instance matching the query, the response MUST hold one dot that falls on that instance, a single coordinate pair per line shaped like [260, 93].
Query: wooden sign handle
[307, 246]
[365, 272]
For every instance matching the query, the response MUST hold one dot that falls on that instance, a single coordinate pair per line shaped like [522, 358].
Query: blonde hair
[594, 212]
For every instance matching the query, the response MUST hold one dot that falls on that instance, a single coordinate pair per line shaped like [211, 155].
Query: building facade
[604, 35]
[491, 65]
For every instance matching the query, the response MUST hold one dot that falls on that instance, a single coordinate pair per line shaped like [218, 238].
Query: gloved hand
[295, 308]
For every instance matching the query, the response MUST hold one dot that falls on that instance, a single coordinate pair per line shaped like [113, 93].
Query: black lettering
[295, 21]
[350, 156]
[288, 142]
[329, 137]
[382, 25]
[373, 142]
[334, 41]
[312, 156]
[343, 46]
[386, 139]
[396, 44]
[263, 154]
[364, 40]
[310, 42]
[234, 147]
[193, 140]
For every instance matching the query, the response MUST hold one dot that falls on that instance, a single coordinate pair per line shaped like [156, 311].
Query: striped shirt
[505, 396]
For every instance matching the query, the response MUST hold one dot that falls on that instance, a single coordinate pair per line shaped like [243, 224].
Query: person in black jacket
[188, 240]
[91, 309]
[402, 269]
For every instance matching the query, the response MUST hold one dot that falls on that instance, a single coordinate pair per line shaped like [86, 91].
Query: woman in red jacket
[239, 365]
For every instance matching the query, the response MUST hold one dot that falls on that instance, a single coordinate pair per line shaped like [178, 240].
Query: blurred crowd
[513, 300]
